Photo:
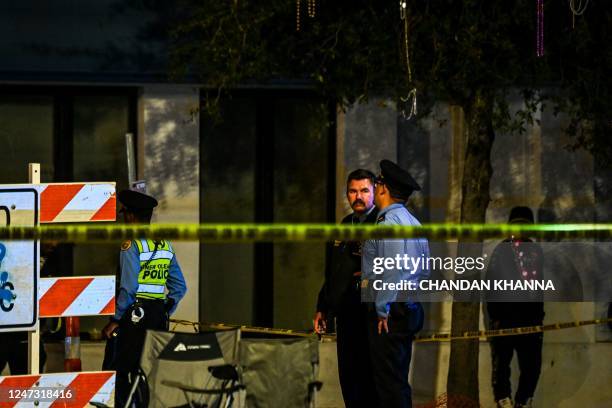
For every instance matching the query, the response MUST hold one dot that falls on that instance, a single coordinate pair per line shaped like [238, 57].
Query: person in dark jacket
[340, 297]
[514, 259]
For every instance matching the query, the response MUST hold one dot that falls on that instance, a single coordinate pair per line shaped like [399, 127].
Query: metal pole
[131, 160]
[34, 336]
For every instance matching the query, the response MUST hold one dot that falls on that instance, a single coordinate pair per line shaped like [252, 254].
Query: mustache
[356, 202]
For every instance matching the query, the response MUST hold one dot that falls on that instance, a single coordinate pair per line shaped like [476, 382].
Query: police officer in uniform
[151, 285]
[340, 297]
[393, 319]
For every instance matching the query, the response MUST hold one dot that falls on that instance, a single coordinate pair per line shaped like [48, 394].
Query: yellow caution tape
[243, 233]
[510, 332]
[438, 337]
[197, 326]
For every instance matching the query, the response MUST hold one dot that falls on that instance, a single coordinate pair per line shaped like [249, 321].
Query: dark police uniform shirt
[395, 214]
[337, 291]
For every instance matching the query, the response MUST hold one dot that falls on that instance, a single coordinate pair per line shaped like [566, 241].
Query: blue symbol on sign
[7, 297]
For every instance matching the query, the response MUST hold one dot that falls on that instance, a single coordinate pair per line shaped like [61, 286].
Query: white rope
[578, 11]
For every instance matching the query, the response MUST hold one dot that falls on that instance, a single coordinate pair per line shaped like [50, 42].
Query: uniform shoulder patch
[126, 245]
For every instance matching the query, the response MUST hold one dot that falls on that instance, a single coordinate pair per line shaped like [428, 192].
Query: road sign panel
[19, 265]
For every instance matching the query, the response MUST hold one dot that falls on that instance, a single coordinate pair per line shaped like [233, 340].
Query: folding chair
[189, 370]
[279, 372]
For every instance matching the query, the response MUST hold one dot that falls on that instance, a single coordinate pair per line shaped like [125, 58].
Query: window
[76, 134]
[26, 136]
[270, 159]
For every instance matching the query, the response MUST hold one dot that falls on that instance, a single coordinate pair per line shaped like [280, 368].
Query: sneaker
[528, 404]
[505, 403]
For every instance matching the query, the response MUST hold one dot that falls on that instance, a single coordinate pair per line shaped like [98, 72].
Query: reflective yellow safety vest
[154, 268]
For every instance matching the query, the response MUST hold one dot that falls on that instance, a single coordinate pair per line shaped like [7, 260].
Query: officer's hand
[382, 325]
[319, 323]
[108, 330]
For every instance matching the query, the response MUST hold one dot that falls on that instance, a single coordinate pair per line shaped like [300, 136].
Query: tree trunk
[462, 385]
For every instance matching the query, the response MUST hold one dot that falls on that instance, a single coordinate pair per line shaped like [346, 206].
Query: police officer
[393, 320]
[151, 285]
[340, 297]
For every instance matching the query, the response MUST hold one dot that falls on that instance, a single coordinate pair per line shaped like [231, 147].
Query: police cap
[397, 179]
[137, 201]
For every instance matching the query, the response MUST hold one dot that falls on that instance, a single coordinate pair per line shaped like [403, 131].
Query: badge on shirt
[337, 243]
[126, 245]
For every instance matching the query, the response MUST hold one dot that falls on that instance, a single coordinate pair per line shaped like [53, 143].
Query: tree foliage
[351, 50]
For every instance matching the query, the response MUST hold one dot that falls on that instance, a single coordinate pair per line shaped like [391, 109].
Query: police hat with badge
[399, 182]
[136, 201]
[139, 204]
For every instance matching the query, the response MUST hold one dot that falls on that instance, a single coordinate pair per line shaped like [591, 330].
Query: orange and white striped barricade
[67, 297]
[66, 390]
[71, 297]
[76, 296]
[73, 202]
[77, 202]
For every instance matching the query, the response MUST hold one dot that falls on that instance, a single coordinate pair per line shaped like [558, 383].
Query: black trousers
[130, 342]
[391, 352]
[529, 353]
[110, 355]
[354, 364]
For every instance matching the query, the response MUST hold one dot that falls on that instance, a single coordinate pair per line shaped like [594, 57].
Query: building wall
[168, 156]
[366, 134]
